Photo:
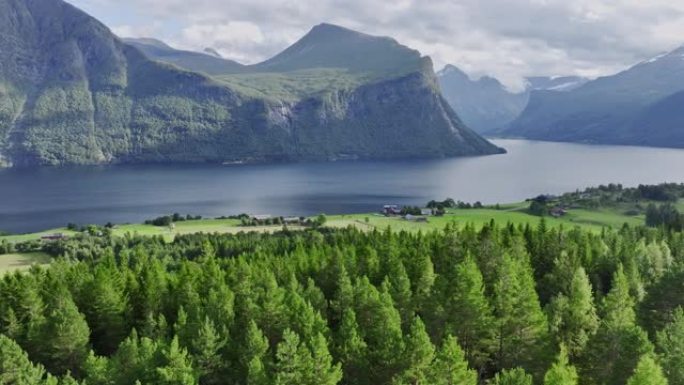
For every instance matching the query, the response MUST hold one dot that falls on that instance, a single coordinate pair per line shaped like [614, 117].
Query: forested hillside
[504, 304]
[73, 93]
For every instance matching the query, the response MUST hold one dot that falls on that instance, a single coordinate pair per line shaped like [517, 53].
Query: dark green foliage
[561, 372]
[15, 366]
[331, 307]
[450, 366]
[516, 376]
[665, 215]
[538, 208]
[670, 348]
[63, 337]
[572, 314]
[521, 328]
[619, 343]
[467, 313]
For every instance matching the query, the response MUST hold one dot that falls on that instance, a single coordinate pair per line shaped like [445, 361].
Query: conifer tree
[380, 324]
[104, 308]
[515, 376]
[450, 366]
[256, 373]
[323, 371]
[670, 347]
[15, 366]
[344, 294]
[350, 347]
[136, 359]
[613, 352]
[399, 286]
[522, 326]
[647, 372]
[573, 315]
[175, 368]
[561, 372]
[64, 335]
[468, 314]
[422, 275]
[292, 361]
[206, 353]
[418, 355]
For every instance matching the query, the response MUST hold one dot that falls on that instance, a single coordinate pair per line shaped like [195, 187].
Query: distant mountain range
[639, 106]
[73, 93]
[209, 62]
[485, 105]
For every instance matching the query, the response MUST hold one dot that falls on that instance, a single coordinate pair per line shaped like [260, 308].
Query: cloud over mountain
[508, 39]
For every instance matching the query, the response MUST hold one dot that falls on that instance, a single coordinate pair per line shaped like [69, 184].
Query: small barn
[391, 210]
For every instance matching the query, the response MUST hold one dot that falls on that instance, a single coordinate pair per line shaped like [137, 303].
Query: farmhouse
[53, 237]
[558, 212]
[261, 217]
[426, 212]
[391, 210]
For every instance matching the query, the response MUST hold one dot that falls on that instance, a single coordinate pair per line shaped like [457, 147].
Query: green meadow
[589, 219]
[21, 261]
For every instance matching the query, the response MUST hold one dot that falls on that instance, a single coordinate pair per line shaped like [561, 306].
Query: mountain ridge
[486, 105]
[611, 109]
[73, 93]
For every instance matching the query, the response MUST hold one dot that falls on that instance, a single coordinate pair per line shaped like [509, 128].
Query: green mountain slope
[73, 93]
[331, 46]
[194, 61]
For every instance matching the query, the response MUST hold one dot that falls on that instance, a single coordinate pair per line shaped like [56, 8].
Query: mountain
[73, 93]
[661, 124]
[212, 52]
[486, 105]
[325, 46]
[483, 104]
[209, 62]
[331, 46]
[636, 106]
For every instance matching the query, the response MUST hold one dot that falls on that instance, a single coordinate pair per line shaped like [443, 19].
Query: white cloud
[238, 40]
[127, 30]
[505, 38]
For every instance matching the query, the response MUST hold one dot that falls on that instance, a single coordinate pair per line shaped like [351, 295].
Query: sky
[507, 39]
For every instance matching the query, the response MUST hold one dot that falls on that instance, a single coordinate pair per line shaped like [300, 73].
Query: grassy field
[593, 220]
[14, 262]
[586, 219]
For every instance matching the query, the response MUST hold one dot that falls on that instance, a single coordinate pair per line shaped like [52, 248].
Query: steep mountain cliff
[483, 104]
[72, 93]
[486, 105]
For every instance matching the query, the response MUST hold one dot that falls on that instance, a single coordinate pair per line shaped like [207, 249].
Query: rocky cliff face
[72, 93]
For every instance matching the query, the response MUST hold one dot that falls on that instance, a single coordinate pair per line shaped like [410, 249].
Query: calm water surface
[39, 199]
